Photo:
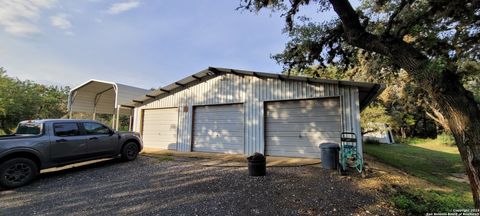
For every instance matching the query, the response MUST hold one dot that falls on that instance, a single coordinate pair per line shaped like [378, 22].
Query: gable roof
[367, 91]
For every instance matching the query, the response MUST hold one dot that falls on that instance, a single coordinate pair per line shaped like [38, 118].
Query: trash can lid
[329, 145]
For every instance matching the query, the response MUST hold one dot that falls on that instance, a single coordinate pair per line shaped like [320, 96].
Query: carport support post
[130, 121]
[113, 119]
[117, 118]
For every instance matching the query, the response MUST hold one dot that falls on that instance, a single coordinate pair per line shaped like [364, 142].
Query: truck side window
[95, 128]
[66, 129]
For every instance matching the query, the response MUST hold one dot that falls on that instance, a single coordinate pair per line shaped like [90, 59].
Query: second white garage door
[296, 128]
[160, 128]
[218, 129]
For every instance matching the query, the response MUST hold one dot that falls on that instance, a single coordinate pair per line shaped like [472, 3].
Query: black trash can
[257, 165]
[329, 155]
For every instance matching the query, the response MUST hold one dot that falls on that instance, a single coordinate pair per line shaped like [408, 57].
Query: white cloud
[19, 17]
[19, 28]
[60, 21]
[121, 7]
[69, 33]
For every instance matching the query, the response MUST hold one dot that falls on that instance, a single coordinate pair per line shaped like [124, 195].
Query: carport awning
[96, 96]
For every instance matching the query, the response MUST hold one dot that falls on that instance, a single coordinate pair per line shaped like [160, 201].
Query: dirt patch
[459, 177]
[389, 179]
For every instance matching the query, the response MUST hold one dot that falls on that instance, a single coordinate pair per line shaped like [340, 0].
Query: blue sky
[144, 43]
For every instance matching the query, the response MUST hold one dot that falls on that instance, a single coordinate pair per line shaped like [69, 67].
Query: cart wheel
[359, 165]
[363, 175]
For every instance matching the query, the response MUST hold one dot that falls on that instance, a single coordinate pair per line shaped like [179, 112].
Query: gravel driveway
[149, 186]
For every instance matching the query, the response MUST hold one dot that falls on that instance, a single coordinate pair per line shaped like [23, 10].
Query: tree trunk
[437, 116]
[463, 117]
[456, 104]
[458, 107]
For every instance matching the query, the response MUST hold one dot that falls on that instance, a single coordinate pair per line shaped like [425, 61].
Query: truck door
[100, 139]
[67, 143]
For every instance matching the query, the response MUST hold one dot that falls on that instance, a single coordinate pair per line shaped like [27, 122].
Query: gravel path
[148, 186]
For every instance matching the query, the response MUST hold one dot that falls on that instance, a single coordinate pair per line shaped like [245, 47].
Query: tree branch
[291, 13]
[391, 20]
[437, 115]
[426, 17]
[347, 14]
[399, 51]
[368, 131]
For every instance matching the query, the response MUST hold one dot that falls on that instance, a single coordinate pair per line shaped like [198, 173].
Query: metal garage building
[236, 111]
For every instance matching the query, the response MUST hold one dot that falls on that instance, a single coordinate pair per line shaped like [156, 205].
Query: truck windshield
[29, 128]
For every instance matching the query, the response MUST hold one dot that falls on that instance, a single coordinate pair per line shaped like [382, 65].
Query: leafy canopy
[447, 32]
[21, 100]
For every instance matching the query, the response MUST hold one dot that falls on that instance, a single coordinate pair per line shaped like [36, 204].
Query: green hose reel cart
[349, 156]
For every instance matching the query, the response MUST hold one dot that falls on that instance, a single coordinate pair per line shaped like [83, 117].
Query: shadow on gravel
[69, 169]
[149, 187]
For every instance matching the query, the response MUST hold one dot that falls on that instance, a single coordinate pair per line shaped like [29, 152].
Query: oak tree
[435, 41]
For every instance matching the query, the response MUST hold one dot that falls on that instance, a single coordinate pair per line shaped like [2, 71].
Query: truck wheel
[130, 151]
[17, 172]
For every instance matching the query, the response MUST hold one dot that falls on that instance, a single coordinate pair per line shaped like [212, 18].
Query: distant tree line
[23, 100]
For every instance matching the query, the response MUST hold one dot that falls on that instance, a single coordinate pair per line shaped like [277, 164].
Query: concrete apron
[230, 160]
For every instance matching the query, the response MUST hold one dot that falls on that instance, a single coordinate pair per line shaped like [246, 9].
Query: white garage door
[160, 128]
[218, 129]
[296, 128]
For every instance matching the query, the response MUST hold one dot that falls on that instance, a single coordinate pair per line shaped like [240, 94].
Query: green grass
[164, 158]
[444, 143]
[433, 160]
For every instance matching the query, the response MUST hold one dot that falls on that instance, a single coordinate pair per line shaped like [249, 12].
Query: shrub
[446, 139]
[372, 141]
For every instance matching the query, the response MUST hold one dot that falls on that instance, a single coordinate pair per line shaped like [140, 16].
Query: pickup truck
[41, 144]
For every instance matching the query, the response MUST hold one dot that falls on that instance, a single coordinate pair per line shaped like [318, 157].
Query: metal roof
[98, 96]
[367, 91]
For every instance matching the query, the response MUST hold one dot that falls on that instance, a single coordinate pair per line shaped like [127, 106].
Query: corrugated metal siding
[84, 101]
[218, 128]
[160, 128]
[297, 127]
[127, 93]
[251, 91]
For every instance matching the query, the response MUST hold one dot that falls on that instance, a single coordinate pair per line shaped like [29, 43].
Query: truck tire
[130, 151]
[17, 172]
